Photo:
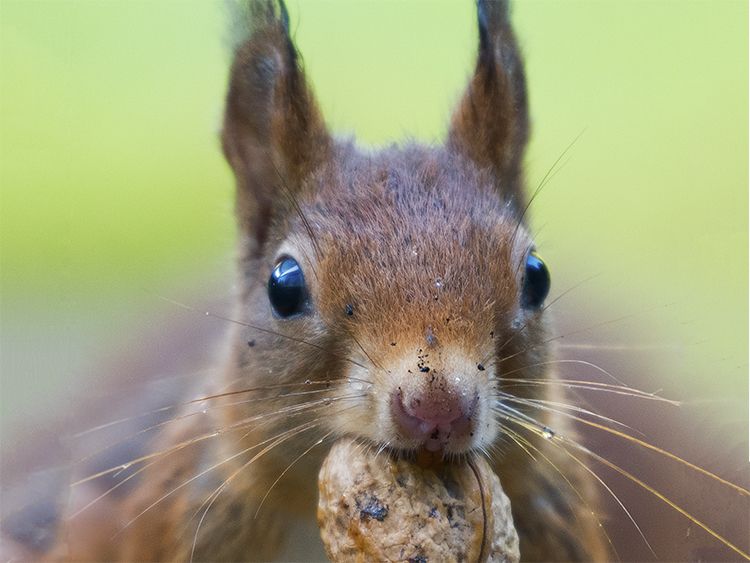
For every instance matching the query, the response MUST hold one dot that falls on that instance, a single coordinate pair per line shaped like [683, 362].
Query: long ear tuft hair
[274, 136]
[491, 124]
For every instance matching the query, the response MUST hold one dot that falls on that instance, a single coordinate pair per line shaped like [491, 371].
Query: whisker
[664, 499]
[196, 413]
[205, 471]
[509, 412]
[545, 308]
[215, 494]
[539, 428]
[579, 331]
[617, 499]
[112, 489]
[293, 200]
[307, 382]
[239, 425]
[261, 329]
[123, 420]
[367, 355]
[208, 398]
[619, 347]
[573, 488]
[125, 480]
[743, 491]
[541, 185]
[569, 361]
[382, 448]
[304, 407]
[288, 467]
[519, 440]
[547, 406]
[534, 427]
[589, 386]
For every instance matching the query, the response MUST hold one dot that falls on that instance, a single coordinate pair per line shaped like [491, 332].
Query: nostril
[411, 425]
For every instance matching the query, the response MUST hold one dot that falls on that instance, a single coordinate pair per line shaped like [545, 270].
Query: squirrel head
[405, 278]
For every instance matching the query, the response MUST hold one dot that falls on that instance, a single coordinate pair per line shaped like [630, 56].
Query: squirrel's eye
[535, 282]
[286, 288]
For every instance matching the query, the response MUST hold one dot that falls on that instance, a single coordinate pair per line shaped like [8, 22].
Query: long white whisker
[547, 405]
[239, 425]
[279, 439]
[567, 361]
[587, 386]
[288, 467]
[533, 425]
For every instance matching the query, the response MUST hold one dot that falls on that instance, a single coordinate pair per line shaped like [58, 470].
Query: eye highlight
[536, 282]
[287, 290]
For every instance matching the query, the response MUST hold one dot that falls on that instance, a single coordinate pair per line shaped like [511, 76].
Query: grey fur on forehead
[412, 172]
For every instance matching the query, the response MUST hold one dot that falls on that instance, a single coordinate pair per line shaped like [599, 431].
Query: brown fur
[410, 254]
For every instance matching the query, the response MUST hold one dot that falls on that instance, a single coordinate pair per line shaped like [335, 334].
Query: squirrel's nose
[434, 414]
[441, 407]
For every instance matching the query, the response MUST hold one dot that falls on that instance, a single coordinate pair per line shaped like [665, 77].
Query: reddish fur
[371, 230]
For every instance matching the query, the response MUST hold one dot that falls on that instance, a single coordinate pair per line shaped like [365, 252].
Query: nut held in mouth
[380, 508]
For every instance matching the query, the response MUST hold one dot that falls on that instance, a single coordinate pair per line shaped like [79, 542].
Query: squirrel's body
[415, 303]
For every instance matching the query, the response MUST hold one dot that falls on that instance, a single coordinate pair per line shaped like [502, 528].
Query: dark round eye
[535, 282]
[286, 288]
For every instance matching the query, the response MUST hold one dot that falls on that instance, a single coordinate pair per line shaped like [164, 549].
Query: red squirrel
[384, 295]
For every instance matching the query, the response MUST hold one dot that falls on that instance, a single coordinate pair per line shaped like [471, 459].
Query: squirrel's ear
[273, 135]
[490, 125]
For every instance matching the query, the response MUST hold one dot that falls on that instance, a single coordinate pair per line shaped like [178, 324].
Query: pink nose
[435, 415]
[435, 407]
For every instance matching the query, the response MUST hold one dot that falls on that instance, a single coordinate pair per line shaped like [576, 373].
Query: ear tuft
[273, 136]
[490, 15]
[490, 125]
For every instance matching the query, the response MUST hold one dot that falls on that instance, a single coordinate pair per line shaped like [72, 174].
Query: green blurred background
[114, 189]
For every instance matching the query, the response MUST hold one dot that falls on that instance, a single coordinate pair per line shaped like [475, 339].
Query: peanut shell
[378, 508]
